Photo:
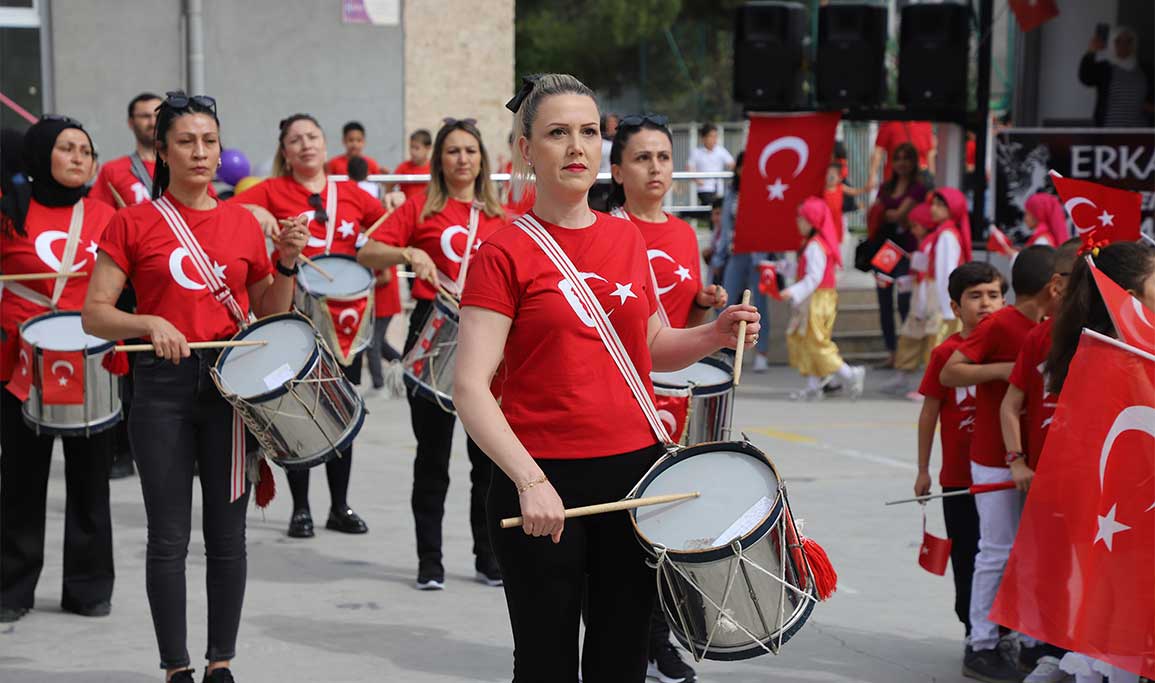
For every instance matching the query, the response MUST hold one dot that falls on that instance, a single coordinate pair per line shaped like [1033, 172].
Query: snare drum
[100, 408]
[725, 585]
[341, 308]
[430, 363]
[707, 389]
[290, 392]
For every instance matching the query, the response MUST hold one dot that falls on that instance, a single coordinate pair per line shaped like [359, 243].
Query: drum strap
[663, 316]
[331, 210]
[606, 330]
[474, 217]
[140, 171]
[75, 225]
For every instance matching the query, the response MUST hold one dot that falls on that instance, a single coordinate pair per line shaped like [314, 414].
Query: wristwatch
[286, 271]
[1012, 456]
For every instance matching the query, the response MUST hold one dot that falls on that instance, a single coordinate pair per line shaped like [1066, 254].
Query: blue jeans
[742, 273]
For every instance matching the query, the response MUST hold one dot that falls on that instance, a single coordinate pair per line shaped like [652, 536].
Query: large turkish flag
[1082, 570]
[786, 160]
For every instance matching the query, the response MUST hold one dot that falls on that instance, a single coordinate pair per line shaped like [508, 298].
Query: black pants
[598, 556]
[180, 418]
[433, 428]
[962, 528]
[337, 470]
[886, 296]
[25, 460]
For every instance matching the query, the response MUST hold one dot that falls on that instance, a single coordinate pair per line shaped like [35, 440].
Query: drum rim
[440, 302]
[703, 389]
[80, 431]
[283, 389]
[88, 350]
[340, 297]
[425, 392]
[707, 555]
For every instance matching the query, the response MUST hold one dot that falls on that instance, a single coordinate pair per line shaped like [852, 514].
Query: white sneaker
[760, 363]
[1046, 671]
[857, 381]
[807, 395]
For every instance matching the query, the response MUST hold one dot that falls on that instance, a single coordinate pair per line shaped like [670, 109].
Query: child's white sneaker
[760, 363]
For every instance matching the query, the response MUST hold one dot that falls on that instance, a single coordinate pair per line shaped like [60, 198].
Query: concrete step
[862, 341]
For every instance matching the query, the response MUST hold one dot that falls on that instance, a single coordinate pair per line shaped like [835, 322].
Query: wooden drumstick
[116, 196]
[740, 348]
[193, 345]
[448, 295]
[21, 277]
[377, 223]
[629, 504]
[312, 264]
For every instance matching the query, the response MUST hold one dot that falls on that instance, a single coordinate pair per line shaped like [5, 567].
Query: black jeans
[962, 528]
[598, 556]
[433, 428]
[25, 460]
[886, 296]
[337, 470]
[180, 418]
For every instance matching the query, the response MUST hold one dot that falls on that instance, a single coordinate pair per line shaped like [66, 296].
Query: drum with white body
[101, 406]
[291, 392]
[430, 363]
[733, 580]
[709, 385]
[341, 308]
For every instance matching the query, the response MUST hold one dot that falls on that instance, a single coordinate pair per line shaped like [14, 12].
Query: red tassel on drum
[266, 486]
[115, 362]
[825, 578]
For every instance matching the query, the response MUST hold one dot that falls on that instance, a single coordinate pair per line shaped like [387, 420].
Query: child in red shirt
[976, 291]
[420, 144]
[985, 360]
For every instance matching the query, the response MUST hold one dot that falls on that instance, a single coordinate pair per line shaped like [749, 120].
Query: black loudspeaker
[769, 40]
[851, 47]
[934, 42]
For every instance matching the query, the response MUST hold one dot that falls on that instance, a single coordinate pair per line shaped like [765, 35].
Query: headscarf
[41, 186]
[817, 214]
[922, 215]
[1108, 54]
[1048, 211]
[957, 203]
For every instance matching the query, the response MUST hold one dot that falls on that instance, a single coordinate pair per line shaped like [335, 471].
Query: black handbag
[864, 254]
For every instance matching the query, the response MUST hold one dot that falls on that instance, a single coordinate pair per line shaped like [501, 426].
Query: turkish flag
[934, 553]
[768, 279]
[347, 317]
[883, 281]
[1081, 574]
[62, 377]
[888, 257]
[786, 160]
[673, 408]
[1131, 318]
[1101, 215]
[21, 379]
[999, 243]
[1034, 13]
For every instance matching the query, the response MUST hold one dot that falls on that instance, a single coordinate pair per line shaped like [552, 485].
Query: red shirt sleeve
[977, 346]
[371, 208]
[116, 243]
[931, 387]
[1020, 374]
[398, 229]
[257, 194]
[883, 139]
[492, 281]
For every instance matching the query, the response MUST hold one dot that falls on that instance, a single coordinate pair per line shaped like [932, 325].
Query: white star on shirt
[92, 248]
[777, 190]
[1106, 218]
[219, 270]
[1108, 527]
[624, 291]
[683, 273]
[346, 229]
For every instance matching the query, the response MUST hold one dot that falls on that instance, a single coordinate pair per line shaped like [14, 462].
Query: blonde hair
[280, 167]
[544, 85]
[437, 192]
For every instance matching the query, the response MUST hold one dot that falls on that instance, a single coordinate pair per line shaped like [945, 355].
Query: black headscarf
[41, 186]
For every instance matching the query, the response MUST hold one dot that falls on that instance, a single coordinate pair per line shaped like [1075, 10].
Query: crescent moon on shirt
[658, 253]
[1132, 418]
[790, 142]
[1070, 205]
[44, 242]
[447, 236]
[62, 363]
[175, 262]
[314, 242]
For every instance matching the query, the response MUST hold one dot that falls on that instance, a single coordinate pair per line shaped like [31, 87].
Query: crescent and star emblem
[176, 270]
[62, 378]
[1105, 218]
[777, 189]
[44, 242]
[1132, 418]
[350, 313]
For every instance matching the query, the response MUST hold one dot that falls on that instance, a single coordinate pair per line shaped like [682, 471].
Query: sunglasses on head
[179, 100]
[318, 206]
[60, 117]
[641, 119]
[450, 121]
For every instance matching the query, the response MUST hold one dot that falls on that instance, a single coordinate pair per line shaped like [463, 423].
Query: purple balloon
[234, 166]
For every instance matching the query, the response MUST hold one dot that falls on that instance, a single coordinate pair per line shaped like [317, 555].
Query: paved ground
[341, 608]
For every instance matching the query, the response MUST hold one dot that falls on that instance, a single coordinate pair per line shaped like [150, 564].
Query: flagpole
[1115, 342]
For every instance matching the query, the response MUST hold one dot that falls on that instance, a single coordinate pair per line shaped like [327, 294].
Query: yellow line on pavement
[785, 436]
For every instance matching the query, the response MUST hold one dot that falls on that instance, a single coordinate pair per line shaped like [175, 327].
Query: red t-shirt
[387, 298]
[39, 250]
[956, 417]
[118, 173]
[562, 394]
[167, 284]
[997, 339]
[339, 165]
[406, 167]
[284, 197]
[891, 134]
[1039, 403]
[442, 235]
[673, 250]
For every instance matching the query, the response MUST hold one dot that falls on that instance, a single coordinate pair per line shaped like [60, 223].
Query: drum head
[707, 372]
[349, 277]
[60, 332]
[250, 371]
[738, 491]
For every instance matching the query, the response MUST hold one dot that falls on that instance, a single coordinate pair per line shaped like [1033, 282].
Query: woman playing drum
[60, 160]
[431, 232]
[172, 249]
[569, 429]
[298, 194]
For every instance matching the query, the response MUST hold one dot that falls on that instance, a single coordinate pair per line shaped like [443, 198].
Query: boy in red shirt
[353, 137]
[420, 144]
[976, 291]
[985, 359]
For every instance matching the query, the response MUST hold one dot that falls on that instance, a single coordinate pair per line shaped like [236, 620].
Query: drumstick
[741, 346]
[974, 490]
[448, 295]
[312, 264]
[194, 345]
[116, 195]
[21, 277]
[377, 223]
[628, 504]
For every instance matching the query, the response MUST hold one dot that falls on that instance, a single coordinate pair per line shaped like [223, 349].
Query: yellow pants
[808, 343]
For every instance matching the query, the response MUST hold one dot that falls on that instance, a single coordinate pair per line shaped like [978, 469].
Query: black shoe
[301, 525]
[12, 614]
[222, 675]
[100, 609]
[989, 666]
[667, 666]
[1029, 656]
[121, 467]
[488, 572]
[346, 521]
[430, 576]
[185, 676]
